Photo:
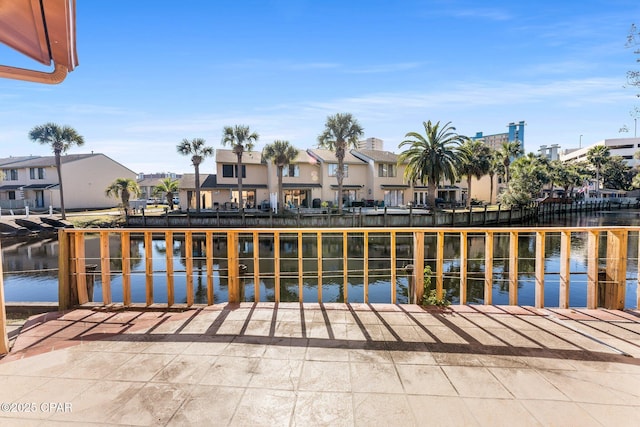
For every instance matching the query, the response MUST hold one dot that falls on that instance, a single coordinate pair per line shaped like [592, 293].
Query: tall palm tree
[509, 151]
[60, 139]
[495, 168]
[167, 186]
[240, 139]
[123, 188]
[282, 154]
[475, 161]
[598, 156]
[341, 131]
[198, 152]
[432, 156]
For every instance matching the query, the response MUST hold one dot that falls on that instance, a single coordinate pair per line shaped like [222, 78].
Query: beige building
[301, 181]
[220, 190]
[148, 183]
[33, 181]
[355, 176]
[384, 185]
[372, 177]
[187, 191]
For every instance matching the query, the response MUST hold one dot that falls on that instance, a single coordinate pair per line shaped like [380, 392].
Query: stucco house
[301, 181]
[384, 182]
[355, 176]
[33, 181]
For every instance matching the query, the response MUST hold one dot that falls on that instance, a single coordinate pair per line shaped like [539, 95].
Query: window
[291, 170]
[230, 171]
[387, 170]
[11, 175]
[333, 169]
[12, 195]
[227, 171]
[36, 173]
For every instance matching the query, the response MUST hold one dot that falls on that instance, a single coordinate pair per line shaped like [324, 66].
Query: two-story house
[355, 176]
[148, 182]
[384, 185]
[301, 181]
[33, 181]
[224, 186]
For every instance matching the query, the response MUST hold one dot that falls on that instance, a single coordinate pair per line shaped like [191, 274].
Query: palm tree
[241, 139]
[198, 152]
[341, 131]
[282, 154]
[495, 168]
[167, 186]
[509, 151]
[431, 157]
[123, 188]
[475, 161]
[60, 139]
[598, 156]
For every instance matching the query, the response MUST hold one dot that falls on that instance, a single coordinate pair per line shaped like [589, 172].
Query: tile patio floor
[331, 364]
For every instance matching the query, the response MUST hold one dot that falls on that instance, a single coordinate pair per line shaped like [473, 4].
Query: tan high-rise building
[371, 144]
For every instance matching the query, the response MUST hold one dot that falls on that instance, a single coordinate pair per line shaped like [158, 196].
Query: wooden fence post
[616, 269]
[418, 266]
[233, 267]
[64, 271]
[4, 339]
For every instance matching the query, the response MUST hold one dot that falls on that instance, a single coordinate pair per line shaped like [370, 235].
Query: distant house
[301, 181]
[385, 177]
[355, 176]
[148, 181]
[187, 191]
[33, 181]
[224, 190]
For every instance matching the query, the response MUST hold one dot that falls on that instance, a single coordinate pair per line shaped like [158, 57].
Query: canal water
[30, 267]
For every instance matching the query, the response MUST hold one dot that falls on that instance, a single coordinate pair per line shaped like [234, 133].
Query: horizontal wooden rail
[315, 258]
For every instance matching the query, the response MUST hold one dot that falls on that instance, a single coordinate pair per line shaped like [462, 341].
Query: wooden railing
[223, 253]
[4, 340]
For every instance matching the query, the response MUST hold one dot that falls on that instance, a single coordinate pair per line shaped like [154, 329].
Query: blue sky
[152, 73]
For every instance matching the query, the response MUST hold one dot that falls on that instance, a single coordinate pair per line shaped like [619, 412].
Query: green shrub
[429, 296]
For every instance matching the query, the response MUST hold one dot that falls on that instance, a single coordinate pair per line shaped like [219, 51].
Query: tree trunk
[340, 177]
[280, 193]
[125, 199]
[239, 172]
[431, 189]
[58, 167]
[469, 192]
[491, 189]
[197, 168]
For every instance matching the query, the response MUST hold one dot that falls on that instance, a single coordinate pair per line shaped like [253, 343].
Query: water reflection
[31, 266]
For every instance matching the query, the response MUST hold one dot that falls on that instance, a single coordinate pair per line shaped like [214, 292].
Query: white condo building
[623, 147]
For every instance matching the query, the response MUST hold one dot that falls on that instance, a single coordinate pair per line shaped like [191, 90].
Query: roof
[40, 186]
[188, 180]
[300, 185]
[153, 181]
[210, 182]
[10, 187]
[43, 161]
[11, 160]
[391, 186]
[248, 157]
[329, 156]
[304, 157]
[45, 31]
[347, 186]
[376, 155]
